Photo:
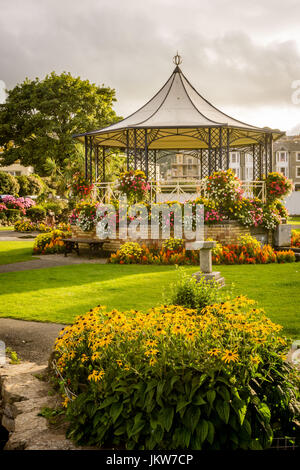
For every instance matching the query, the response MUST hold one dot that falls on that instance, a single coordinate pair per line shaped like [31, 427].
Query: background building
[286, 158]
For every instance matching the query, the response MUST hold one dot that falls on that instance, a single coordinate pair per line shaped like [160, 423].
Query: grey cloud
[235, 53]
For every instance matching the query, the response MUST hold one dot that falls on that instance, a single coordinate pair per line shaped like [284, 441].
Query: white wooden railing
[161, 191]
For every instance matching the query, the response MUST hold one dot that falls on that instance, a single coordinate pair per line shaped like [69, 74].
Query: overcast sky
[241, 55]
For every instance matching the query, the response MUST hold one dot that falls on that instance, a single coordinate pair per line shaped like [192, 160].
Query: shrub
[8, 184]
[80, 187]
[175, 245]
[174, 379]
[24, 185]
[277, 186]
[84, 215]
[130, 253]
[55, 206]
[36, 213]
[51, 242]
[12, 215]
[190, 293]
[134, 184]
[36, 185]
[224, 187]
[28, 226]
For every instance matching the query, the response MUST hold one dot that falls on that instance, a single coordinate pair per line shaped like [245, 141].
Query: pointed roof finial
[177, 59]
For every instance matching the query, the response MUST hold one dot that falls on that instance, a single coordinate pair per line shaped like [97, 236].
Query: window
[248, 160]
[298, 156]
[282, 157]
[234, 157]
[297, 171]
[249, 173]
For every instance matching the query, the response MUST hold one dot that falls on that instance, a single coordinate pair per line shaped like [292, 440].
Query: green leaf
[224, 393]
[116, 410]
[191, 418]
[202, 430]
[182, 404]
[138, 425]
[210, 432]
[264, 412]
[255, 445]
[198, 399]
[211, 395]
[120, 430]
[223, 410]
[107, 402]
[159, 434]
[165, 418]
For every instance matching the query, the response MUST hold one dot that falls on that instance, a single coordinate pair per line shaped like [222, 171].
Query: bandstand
[178, 119]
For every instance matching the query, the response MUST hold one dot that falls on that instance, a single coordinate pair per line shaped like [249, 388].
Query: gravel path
[33, 341]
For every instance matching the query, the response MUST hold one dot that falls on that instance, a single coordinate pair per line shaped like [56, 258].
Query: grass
[59, 294]
[294, 220]
[8, 227]
[14, 252]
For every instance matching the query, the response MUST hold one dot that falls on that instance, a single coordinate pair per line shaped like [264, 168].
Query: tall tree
[40, 116]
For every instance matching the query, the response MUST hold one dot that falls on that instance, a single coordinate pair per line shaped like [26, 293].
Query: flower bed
[247, 251]
[295, 240]
[25, 225]
[49, 243]
[176, 379]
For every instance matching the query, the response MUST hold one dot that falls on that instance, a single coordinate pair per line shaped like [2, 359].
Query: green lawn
[294, 220]
[59, 294]
[9, 227]
[13, 252]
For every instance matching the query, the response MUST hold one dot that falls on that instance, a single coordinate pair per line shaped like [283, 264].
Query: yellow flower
[65, 402]
[229, 356]
[152, 361]
[190, 336]
[151, 352]
[84, 358]
[96, 376]
[214, 352]
[151, 342]
[255, 359]
[95, 356]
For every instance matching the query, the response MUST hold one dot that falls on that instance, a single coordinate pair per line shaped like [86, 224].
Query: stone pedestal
[205, 262]
[282, 235]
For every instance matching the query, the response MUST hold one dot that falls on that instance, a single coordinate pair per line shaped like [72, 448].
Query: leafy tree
[40, 117]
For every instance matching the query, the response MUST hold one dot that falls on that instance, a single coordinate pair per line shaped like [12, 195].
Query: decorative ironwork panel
[256, 153]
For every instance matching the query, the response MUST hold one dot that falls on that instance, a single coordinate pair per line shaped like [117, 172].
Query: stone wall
[225, 233]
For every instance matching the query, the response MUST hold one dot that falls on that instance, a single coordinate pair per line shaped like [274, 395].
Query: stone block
[282, 235]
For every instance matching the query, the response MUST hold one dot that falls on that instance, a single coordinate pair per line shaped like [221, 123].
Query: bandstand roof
[178, 117]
